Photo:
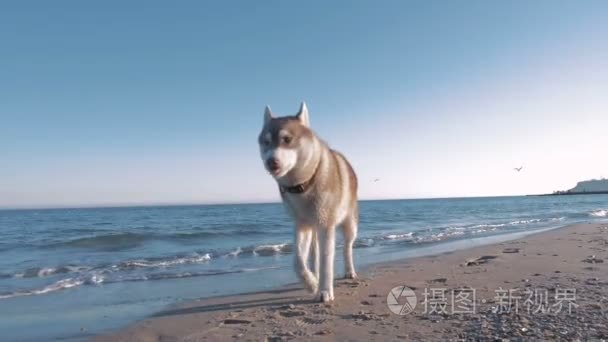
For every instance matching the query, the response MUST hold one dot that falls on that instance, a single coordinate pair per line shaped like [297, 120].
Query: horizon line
[193, 204]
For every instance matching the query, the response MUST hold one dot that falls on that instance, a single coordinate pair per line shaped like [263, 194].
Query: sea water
[69, 273]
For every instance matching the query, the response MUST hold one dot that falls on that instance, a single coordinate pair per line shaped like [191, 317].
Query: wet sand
[547, 286]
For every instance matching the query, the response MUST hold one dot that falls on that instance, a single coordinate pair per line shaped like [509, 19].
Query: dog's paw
[314, 290]
[350, 275]
[324, 297]
[312, 285]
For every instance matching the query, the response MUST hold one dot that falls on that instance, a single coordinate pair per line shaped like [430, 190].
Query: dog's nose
[273, 164]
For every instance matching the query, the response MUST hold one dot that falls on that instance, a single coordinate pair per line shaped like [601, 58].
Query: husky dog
[319, 189]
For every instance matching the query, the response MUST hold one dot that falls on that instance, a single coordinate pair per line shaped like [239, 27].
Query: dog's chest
[318, 209]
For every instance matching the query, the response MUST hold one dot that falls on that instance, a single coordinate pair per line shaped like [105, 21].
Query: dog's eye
[287, 140]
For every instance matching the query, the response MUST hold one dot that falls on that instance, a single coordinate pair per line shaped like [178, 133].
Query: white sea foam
[235, 253]
[46, 271]
[599, 213]
[405, 236]
[60, 285]
[489, 225]
[95, 279]
[364, 242]
[195, 259]
[524, 221]
[265, 250]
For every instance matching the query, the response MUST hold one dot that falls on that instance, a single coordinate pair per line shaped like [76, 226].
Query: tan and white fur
[326, 200]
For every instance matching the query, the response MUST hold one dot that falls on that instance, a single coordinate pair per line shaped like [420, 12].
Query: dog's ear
[303, 115]
[267, 115]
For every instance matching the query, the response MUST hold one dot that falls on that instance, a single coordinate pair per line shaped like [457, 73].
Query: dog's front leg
[316, 254]
[303, 239]
[327, 245]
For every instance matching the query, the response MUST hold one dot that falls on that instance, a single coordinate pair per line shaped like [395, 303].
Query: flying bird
[518, 168]
[377, 179]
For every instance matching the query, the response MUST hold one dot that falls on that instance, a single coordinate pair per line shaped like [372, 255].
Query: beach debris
[236, 321]
[306, 321]
[365, 316]
[366, 302]
[323, 332]
[292, 313]
[511, 250]
[478, 261]
[439, 280]
[593, 260]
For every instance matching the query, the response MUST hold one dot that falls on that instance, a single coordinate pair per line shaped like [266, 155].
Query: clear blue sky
[116, 102]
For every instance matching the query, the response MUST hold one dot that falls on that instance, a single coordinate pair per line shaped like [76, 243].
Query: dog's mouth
[273, 167]
[274, 171]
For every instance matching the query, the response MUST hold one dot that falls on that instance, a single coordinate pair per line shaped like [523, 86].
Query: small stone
[323, 332]
[292, 313]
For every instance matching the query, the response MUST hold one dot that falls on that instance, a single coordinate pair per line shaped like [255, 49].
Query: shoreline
[551, 259]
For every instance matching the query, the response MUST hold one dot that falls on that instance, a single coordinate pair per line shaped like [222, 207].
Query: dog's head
[286, 142]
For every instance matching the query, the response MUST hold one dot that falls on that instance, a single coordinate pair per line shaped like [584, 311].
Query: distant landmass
[588, 187]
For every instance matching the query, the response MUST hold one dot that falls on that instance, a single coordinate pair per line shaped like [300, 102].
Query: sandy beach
[547, 286]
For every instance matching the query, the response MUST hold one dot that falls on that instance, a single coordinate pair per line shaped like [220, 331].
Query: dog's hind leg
[303, 239]
[349, 228]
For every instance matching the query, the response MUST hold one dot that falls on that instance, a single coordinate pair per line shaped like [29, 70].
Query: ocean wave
[235, 253]
[177, 275]
[438, 237]
[97, 278]
[59, 285]
[193, 259]
[210, 234]
[268, 250]
[362, 243]
[404, 236]
[599, 213]
[525, 221]
[109, 242]
[40, 272]
[489, 225]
